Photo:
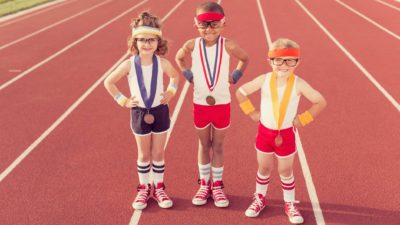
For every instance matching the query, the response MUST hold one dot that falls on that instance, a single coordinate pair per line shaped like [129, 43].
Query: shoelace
[142, 195]
[161, 195]
[293, 209]
[218, 193]
[202, 192]
[257, 203]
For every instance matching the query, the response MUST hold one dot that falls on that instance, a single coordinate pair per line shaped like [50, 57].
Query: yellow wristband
[305, 118]
[247, 107]
[172, 88]
[121, 99]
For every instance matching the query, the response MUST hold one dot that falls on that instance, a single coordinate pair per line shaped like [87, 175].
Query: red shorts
[219, 116]
[265, 141]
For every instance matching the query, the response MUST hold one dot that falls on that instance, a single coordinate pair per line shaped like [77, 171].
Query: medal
[148, 118]
[212, 78]
[280, 109]
[278, 140]
[210, 100]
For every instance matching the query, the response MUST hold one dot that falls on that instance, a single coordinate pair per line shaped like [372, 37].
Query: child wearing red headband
[280, 94]
[148, 104]
[209, 72]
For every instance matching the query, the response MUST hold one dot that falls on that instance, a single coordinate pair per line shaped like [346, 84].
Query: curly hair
[283, 43]
[146, 19]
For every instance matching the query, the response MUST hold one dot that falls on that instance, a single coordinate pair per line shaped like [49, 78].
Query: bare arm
[173, 81]
[248, 89]
[184, 52]
[236, 51]
[312, 95]
[112, 79]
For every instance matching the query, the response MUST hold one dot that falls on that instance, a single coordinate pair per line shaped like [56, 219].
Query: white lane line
[138, 213]
[31, 12]
[388, 5]
[369, 20]
[52, 25]
[351, 57]
[56, 123]
[69, 46]
[312, 192]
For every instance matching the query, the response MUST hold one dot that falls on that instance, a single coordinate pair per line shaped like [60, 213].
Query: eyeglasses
[146, 40]
[280, 61]
[212, 24]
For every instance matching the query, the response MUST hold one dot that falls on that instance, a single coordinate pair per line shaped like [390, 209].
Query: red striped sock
[288, 188]
[262, 184]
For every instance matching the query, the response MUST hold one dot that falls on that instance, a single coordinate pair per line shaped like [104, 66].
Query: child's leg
[158, 166]
[204, 164]
[265, 165]
[144, 155]
[285, 168]
[143, 167]
[217, 169]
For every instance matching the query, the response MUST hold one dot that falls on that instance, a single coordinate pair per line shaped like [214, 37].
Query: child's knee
[265, 170]
[217, 146]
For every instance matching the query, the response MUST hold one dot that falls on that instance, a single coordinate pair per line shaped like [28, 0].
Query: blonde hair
[146, 19]
[282, 43]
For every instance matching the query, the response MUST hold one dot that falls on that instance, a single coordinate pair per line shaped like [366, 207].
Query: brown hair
[146, 19]
[210, 7]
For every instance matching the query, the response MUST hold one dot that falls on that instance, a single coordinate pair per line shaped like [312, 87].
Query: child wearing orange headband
[209, 72]
[280, 94]
[148, 104]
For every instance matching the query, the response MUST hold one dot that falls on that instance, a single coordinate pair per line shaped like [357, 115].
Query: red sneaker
[257, 206]
[161, 196]
[220, 199]
[142, 196]
[200, 198]
[293, 213]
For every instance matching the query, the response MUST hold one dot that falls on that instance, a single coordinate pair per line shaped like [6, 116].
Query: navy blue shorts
[161, 120]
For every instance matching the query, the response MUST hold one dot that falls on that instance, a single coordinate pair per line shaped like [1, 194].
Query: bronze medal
[210, 100]
[148, 118]
[278, 140]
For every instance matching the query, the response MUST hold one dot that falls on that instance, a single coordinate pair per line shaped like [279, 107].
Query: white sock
[204, 171]
[143, 169]
[288, 188]
[217, 173]
[158, 172]
[262, 183]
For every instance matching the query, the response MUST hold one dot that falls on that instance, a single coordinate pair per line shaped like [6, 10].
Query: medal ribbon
[139, 74]
[216, 72]
[280, 110]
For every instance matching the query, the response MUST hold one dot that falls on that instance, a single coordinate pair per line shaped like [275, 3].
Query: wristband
[305, 118]
[188, 75]
[172, 88]
[236, 75]
[120, 99]
[247, 107]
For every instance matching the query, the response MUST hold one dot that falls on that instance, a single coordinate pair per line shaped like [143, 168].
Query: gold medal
[278, 140]
[210, 100]
[148, 118]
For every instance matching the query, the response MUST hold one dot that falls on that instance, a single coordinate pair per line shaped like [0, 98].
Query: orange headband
[295, 52]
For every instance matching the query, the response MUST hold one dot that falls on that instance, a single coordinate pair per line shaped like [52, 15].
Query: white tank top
[147, 73]
[221, 90]
[267, 113]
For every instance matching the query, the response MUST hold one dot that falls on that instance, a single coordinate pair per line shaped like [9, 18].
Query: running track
[67, 155]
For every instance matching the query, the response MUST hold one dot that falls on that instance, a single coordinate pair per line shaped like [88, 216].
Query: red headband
[295, 52]
[210, 16]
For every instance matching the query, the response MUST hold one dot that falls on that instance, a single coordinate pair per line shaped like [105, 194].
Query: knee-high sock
[158, 172]
[262, 183]
[288, 188]
[217, 173]
[204, 171]
[143, 169]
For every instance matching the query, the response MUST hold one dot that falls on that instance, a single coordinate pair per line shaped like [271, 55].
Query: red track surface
[84, 171]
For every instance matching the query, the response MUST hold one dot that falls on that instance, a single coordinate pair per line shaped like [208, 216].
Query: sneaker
[293, 213]
[161, 196]
[200, 198]
[220, 199]
[257, 206]
[142, 196]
